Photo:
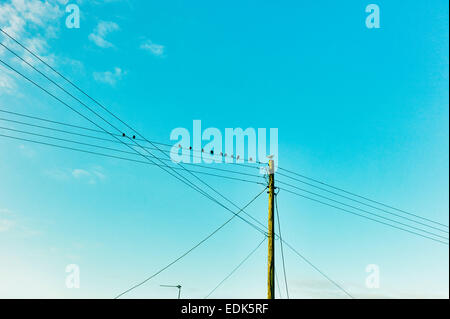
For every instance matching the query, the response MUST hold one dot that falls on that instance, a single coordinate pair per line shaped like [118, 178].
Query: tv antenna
[173, 286]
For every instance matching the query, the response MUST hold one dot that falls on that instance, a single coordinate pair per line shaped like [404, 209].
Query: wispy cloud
[17, 15]
[109, 77]
[153, 48]
[7, 84]
[27, 151]
[89, 175]
[12, 222]
[57, 174]
[100, 32]
[33, 22]
[6, 222]
[322, 289]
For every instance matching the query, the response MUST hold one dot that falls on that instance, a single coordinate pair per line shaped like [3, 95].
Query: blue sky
[363, 109]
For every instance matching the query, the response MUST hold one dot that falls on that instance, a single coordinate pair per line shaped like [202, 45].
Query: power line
[64, 147]
[71, 125]
[113, 149]
[191, 249]
[81, 102]
[182, 178]
[204, 167]
[318, 270]
[84, 135]
[138, 161]
[278, 284]
[214, 156]
[142, 162]
[360, 215]
[280, 182]
[281, 244]
[190, 184]
[116, 157]
[185, 163]
[104, 108]
[397, 215]
[362, 210]
[359, 196]
[147, 163]
[195, 187]
[357, 201]
[236, 268]
[71, 83]
[95, 101]
[179, 177]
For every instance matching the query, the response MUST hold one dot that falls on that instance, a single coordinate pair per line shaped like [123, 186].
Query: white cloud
[99, 175]
[75, 66]
[18, 16]
[80, 173]
[10, 221]
[27, 151]
[4, 211]
[57, 174]
[38, 12]
[7, 84]
[153, 48]
[92, 176]
[5, 222]
[32, 22]
[102, 29]
[89, 175]
[109, 77]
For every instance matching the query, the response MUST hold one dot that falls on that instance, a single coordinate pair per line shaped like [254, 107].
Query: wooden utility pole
[271, 254]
